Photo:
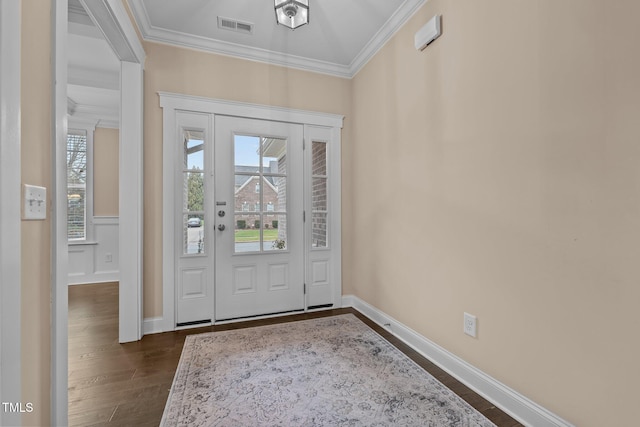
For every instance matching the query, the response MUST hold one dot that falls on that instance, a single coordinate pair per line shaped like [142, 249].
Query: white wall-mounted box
[428, 33]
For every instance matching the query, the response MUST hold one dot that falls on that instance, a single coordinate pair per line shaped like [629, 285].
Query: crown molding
[386, 32]
[95, 115]
[175, 38]
[189, 41]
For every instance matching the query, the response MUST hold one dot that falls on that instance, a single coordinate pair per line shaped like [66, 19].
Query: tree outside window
[76, 185]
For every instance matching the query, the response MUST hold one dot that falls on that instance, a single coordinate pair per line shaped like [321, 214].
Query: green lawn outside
[253, 235]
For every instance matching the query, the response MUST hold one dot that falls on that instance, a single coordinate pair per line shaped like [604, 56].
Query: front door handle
[221, 227]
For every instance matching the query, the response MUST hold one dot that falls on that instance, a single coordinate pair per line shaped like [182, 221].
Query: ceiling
[339, 40]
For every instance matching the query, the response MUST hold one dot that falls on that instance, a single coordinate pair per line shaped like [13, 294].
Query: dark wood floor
[112, 384]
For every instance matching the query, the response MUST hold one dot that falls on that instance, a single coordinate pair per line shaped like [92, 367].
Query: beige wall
[36, 235]
[105, 172]
[515, 138]
[190, 72]
[514, 135]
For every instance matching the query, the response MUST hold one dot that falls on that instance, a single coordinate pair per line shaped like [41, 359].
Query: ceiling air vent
[235, 25]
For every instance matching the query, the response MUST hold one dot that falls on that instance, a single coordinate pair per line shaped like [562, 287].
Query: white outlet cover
[470, 325]
[34, 202]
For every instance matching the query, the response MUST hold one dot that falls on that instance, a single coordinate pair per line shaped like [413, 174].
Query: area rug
[332, 371]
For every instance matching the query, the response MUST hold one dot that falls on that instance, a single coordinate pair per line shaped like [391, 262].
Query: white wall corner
[348, 301]
[508, 400]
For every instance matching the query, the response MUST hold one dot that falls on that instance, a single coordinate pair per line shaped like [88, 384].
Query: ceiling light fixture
[292, 13]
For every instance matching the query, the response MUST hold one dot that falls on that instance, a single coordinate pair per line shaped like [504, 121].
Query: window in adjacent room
[77, 185]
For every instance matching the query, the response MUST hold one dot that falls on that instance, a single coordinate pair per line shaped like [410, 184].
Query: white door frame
[59, 246]
[111, 17]
[10, 335]
[171, 103]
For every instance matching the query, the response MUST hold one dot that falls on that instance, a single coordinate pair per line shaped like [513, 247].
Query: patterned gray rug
[333, 371]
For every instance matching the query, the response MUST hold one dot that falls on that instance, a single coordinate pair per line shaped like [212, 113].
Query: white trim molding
[104, 117]
[389, 29]
[153, 325]
[508, 400]
[59, 251]
[131, 201]
[10, 332]
[175, 101]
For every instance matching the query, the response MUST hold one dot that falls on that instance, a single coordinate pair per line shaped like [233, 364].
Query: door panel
[322, 247]
[194, 290]
[259, 262]
[194, 283]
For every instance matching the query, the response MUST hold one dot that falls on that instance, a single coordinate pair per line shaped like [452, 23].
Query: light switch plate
[34, 202]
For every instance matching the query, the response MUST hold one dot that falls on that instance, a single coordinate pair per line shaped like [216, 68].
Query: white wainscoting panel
[98, 260]
[80, 261]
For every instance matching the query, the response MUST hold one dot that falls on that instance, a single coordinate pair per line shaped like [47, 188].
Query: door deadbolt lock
[221, 213]
[221, 227]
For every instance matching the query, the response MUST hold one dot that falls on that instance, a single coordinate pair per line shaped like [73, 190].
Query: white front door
[238, 181]
[259, 229]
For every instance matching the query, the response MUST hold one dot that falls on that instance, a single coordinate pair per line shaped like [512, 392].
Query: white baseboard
[510, 401]
[92, 279]
[152, 325]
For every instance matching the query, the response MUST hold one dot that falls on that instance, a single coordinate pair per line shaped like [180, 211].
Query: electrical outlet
[470, 325]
